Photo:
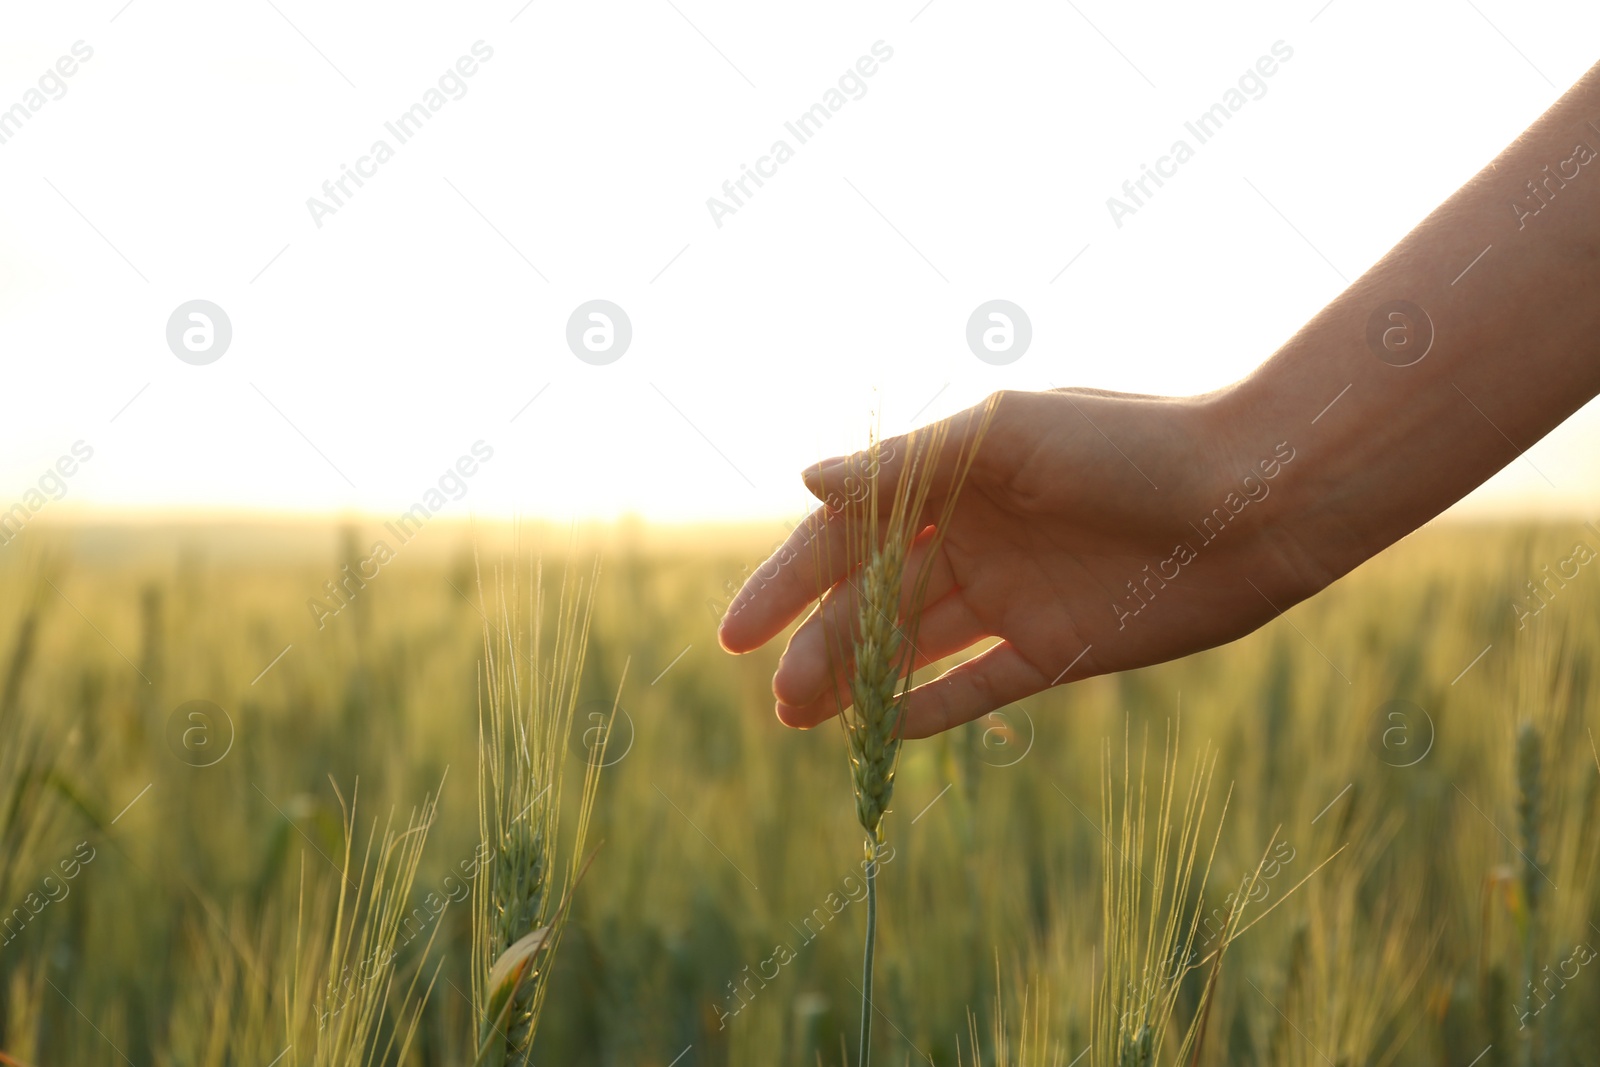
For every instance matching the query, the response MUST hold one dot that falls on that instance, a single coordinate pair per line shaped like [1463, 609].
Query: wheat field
[231, 836]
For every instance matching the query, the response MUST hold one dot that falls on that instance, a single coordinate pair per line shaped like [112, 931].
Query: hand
[1096, 532]
[1100, 531]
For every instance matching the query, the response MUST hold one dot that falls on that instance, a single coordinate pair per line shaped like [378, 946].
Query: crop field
[218, 805]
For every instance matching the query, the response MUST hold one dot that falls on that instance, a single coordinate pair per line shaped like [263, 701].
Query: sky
[387, 338]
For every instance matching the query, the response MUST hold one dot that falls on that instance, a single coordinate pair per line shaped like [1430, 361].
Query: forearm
[1515, 349]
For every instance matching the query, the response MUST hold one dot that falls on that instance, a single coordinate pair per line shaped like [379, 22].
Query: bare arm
[1473, 338]
[1515, 349]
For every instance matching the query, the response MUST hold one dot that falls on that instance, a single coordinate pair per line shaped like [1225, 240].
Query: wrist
[1294, 551]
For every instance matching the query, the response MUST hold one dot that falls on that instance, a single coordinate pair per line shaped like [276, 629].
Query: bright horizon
[374, 344]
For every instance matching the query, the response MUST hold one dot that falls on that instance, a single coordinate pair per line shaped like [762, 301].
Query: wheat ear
[528, 700]
[880, 532]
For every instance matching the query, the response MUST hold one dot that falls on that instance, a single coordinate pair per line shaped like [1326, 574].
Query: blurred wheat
[202, 934]
[528, 697]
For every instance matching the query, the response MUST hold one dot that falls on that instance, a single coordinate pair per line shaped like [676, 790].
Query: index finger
[827, 546]
[813, 558]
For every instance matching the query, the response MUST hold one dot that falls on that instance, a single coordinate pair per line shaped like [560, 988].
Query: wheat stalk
[527, 701]
[1529, 798]
[1138, 991]
[360, 982]
[881, 532]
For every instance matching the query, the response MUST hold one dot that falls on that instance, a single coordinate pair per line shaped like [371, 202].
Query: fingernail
[822, 468]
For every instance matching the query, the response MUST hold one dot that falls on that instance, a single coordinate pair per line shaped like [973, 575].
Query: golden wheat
[881, 531]
[519, 908]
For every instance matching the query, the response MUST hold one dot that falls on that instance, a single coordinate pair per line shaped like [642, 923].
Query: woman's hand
[1100, 531]
[1096, 532]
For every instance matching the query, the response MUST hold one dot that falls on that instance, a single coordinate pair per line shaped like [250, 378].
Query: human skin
[1075, 492]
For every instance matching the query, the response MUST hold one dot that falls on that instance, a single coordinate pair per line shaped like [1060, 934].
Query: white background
[977, 165]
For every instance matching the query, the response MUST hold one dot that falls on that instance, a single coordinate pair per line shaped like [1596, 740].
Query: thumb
[847, 479]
